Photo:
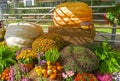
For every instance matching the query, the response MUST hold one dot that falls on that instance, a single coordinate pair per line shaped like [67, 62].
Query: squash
[72, 14]
[22, 34]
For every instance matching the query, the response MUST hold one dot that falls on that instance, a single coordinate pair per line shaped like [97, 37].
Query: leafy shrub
[109, 59]
[7, 56]
[52, 55]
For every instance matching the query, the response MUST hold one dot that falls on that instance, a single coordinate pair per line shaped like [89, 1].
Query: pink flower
[64, 75]
[70, 73]
[104, 77]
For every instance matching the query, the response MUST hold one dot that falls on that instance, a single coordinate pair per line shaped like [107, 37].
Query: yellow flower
[26, 55]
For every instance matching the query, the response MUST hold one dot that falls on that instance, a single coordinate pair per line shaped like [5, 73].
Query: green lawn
[107, 30]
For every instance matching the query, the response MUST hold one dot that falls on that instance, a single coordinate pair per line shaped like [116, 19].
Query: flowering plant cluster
[47, 41]
[72, 76]
[26, 56]
[116, 76]
[68, 75]
[18, 73]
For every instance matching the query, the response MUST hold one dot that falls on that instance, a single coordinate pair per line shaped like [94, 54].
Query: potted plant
[7, 56]
[113, 14]
[27, 58]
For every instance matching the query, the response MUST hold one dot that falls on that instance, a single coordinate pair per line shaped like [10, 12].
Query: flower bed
[52, 58]
[48, 66]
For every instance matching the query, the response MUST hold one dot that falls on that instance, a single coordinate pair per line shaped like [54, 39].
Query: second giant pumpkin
[72, 14]
[22, 34]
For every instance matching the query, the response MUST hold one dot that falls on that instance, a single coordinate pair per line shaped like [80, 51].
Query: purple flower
[38, 56]
[17, 53]
[11, 74]
[25, 79]
[23, 69]
[116, 76]
[42, 62]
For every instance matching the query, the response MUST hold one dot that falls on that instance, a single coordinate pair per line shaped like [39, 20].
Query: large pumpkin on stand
[73, 20]
[72, 14]
[22, 34]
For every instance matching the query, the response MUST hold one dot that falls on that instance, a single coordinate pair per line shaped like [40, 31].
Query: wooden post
[117, 1]
[114, 28]
[16, 6]
[0, 14]
[113, 34]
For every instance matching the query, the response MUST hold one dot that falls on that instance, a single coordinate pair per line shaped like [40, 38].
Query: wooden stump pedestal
[74, 35]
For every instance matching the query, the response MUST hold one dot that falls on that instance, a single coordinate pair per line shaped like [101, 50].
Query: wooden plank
[33, 8]
[102, 6]
[28, 19]
[43, 14]
[107, 34]
[47, 0]
[98, 13]
[33, 14]
[98, 20]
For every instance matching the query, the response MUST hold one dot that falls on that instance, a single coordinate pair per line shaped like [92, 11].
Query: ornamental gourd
[22, 34]
[72, 14]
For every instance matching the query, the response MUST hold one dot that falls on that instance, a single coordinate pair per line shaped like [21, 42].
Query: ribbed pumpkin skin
[72, 14]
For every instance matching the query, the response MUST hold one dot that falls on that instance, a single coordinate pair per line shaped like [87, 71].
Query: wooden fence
[98, 18]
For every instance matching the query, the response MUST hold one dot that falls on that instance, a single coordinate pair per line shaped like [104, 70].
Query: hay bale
[74, 35]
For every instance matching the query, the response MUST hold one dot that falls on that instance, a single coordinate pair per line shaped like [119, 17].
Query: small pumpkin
[72, 14]
[22, 34]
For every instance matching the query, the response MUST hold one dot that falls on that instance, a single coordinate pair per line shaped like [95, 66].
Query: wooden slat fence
[113, 37]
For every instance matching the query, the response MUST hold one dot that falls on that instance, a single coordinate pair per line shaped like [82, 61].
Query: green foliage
[52, 55]
[7, 56]
[108, 58]
[113, 14]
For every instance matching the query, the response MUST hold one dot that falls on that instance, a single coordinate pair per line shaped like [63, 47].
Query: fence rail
[112, 37]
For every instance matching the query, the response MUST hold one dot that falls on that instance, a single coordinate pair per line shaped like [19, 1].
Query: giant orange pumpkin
[72, 14]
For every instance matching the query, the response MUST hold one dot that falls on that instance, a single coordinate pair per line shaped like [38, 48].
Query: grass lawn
[106, 30]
